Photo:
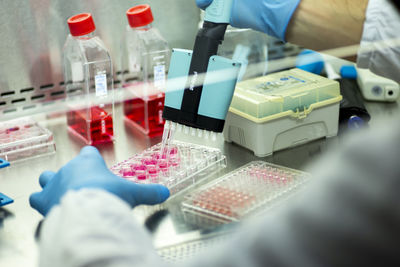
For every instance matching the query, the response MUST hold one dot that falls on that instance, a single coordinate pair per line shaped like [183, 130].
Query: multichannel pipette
[197, 99]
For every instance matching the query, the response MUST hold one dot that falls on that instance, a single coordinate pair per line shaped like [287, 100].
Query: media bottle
[145, 62]
[89, 82]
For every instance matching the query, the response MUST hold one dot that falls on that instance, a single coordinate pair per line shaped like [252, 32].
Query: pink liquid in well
[141, 176]
[223, 200]
[10, 130]
[128, 173]
[138, 167]
[150, 166]
[95, 127]
[163, 164]
[149, 161]
[153, 171]
[153, 124]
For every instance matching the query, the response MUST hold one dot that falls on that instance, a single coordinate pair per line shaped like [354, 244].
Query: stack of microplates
[24, 138]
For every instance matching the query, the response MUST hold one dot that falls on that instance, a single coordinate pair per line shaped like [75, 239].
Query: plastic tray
[24, 138]
[188, 249]
[183, 165]
[241, 193]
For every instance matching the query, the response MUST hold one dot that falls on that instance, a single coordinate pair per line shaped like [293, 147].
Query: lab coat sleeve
[348, 216]
[94, 228]
[380, 43]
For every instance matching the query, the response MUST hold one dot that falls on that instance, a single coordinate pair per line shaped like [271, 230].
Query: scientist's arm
[88, 170]
[314, 24]
[321, 25]
[92, 227]
[88, 216]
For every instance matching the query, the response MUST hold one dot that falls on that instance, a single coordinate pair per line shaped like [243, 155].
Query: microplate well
[178, 167]
[243, 192]
[24, 138]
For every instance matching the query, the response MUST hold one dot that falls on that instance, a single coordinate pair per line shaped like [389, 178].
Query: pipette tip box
[282, 110]
[180, 166]
[244, 192]
[24, 138]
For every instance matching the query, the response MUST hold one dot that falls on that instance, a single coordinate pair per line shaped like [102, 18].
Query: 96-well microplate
[24, 138]
[178, 167]
[242, 192]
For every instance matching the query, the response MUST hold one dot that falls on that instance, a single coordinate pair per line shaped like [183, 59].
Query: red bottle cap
[81, 24]
[139, 16]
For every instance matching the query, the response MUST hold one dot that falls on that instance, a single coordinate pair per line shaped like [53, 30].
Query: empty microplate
[178, 167]
[241, 193]
[194, 245]
[24, 138]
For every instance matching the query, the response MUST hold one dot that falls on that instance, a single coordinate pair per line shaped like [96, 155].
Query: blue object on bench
[4, 163]
[4, 200]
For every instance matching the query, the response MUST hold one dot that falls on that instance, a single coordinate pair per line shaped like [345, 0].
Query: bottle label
[101, 84]
[159, 76]
[134, 65]
[160, 117]
[103, 126]
[77, 71]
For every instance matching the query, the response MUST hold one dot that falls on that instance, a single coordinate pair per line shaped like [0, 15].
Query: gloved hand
[269, 16]
[88, 170]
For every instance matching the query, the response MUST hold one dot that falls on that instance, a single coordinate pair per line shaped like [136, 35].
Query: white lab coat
[349, 215]
[380, 44]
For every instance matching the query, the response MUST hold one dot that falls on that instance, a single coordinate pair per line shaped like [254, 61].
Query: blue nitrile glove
[269, 16]
[88, 170]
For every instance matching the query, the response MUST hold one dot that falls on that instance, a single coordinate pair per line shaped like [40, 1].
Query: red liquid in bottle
[95, 126]
[151, 123]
